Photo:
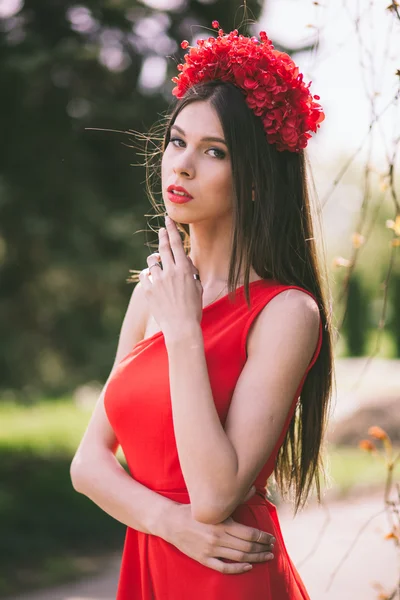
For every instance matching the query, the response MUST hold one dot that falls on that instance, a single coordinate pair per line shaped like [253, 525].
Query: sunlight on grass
[351, 467]
[53, 427]
[44, 428]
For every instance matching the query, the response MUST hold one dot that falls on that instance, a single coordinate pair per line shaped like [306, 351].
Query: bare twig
[350, 549]
[319, 537]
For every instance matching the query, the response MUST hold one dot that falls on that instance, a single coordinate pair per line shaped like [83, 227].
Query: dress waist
[182, 496]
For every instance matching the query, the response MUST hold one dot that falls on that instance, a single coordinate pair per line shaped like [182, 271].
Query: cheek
[224, 181]
[220, 189]
[166, 160]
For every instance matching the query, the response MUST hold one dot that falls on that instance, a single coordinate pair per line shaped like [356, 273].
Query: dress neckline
[238, 289]
[158, 333]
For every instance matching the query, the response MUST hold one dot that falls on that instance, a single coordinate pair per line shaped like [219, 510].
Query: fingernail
[273, 540]
[248, 567]
[270, 556]
[167, 219]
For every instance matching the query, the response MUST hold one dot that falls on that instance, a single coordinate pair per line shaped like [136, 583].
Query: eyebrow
[204, 139]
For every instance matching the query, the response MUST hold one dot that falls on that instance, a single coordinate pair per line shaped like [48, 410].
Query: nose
[183, 168]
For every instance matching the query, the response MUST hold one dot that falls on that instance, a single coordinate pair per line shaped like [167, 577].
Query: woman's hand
[230, 540]
[174, 296]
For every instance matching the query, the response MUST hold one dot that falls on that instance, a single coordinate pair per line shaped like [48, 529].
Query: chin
[179, 219]
[177, 213]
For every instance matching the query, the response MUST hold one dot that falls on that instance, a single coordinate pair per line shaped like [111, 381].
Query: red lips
[176, 199]
[179, 188]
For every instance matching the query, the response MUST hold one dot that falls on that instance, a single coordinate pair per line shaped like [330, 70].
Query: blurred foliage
[349, 470]
[395, 319]
[44, 520]
[70, 202]
[47, 529]
[355, 325]
[72, 209]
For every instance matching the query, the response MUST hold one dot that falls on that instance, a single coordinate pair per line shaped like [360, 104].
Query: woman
[222, 375]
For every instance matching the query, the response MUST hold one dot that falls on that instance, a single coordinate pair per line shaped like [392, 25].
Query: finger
[144, 280]
[249, 534]
[264, 538]
[193, 266]
[244, 557]
[154, 261]
[234, 543]
[195, 270]
[164, 249]
[176, 244]
[228, 568]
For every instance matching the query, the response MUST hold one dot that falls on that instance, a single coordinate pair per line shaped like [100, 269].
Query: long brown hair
[275, 236]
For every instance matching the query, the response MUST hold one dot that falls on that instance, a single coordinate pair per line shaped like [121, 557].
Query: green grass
[351, 469]
[45, 428]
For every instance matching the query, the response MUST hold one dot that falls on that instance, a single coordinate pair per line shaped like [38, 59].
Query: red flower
[270, 80]
[250, 84]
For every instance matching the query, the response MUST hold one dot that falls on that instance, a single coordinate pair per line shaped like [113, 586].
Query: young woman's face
[201, 166]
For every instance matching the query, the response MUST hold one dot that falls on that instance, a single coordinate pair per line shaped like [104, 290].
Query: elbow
[216, 506]
[211, 513]
[206, 517]
[87, 469]
[77, 475]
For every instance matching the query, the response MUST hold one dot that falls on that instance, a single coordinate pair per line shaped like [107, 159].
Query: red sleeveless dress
[138, 405]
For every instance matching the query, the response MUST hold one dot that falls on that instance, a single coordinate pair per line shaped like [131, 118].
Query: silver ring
[196, 276]
[258, 539]
[155, 265]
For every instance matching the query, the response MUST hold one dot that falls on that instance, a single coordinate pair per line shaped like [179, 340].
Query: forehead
[199, 119]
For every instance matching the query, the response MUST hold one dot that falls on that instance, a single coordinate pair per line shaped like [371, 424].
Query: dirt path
[372, 558]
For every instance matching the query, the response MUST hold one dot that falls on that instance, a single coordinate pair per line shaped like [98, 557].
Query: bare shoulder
[296, 301]
[134, 322]
[99, 434]
[137, 300]
[292, 315]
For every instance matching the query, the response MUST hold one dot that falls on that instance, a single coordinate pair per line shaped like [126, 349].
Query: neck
[211, 251]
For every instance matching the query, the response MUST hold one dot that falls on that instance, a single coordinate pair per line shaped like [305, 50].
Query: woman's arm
[220, 463]
[95, 470]
[96, 473]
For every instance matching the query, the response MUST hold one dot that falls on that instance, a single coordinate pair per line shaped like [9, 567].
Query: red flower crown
[270, 80]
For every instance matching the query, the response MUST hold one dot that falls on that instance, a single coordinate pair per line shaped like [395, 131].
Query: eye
[220, 153]
[175, 139]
